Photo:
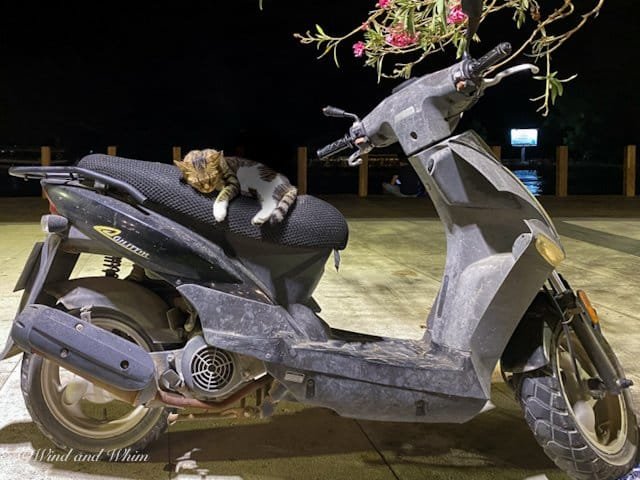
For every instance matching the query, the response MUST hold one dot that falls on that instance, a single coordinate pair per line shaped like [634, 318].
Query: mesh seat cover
[310, 222]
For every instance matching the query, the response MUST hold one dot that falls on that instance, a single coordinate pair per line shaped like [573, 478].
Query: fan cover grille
[211, 369]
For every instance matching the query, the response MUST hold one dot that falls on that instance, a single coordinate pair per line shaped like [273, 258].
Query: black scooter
[220, 316]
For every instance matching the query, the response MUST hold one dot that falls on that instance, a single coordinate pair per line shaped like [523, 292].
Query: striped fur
[285, 195]
[208, 170]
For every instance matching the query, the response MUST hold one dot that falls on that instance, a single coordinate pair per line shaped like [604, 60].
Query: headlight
[549, 250]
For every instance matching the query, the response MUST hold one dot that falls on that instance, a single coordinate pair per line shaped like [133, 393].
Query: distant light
[524, 137]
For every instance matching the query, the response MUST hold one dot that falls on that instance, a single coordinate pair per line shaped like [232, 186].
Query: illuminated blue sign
[524, 137]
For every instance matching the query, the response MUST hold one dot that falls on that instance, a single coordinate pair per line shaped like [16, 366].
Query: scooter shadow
[46, 458]
[496, 444]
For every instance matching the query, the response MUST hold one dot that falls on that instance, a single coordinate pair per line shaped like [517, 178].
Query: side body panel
[493, 269]
[150, 240]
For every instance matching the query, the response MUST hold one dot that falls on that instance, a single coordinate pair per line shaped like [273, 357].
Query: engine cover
[213, 373]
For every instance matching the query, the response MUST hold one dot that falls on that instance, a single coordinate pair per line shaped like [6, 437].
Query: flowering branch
[416, 29]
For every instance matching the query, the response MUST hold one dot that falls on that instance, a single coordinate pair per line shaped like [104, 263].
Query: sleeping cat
[208, 170]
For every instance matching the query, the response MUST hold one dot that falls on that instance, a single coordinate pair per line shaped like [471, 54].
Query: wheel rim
[83, 408]
[602, 422]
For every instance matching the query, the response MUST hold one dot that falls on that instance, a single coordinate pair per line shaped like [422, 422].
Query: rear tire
[587, 438]
[74, 414]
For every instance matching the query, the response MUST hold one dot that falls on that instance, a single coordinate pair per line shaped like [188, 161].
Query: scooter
[219, 318]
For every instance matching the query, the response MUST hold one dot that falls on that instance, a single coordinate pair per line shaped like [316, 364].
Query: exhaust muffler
[111, 362]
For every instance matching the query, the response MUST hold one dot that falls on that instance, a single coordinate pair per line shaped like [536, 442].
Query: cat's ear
[180, 165]
[211, 155]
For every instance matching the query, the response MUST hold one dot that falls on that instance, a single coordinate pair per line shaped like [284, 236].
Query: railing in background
[45, 160]
[562, 171]
[302, 170]
[562, 168]
[176, 154]
[629, 171]
[497, 151]
[363, 177]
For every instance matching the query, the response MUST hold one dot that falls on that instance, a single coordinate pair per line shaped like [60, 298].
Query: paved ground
[387, 281]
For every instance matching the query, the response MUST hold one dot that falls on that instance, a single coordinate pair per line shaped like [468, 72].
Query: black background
[145, 76]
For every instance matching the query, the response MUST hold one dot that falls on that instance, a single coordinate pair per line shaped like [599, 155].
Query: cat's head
[201, 169]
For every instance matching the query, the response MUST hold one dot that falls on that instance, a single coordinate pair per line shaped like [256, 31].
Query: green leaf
[410, 26]
[440, 9]
[461, 45]
[320, 30]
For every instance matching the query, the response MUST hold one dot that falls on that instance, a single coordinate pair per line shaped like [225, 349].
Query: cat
[208, 170]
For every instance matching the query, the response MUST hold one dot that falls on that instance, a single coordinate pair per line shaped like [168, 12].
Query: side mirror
[473, 10]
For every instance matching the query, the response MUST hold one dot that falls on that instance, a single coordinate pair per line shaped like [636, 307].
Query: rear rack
[76, 173]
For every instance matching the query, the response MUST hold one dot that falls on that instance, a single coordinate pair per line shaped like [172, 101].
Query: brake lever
[364, 146]
[354, 159]
[492, 82]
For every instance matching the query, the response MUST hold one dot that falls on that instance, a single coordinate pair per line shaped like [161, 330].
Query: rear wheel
[75, 414]
[587, 437]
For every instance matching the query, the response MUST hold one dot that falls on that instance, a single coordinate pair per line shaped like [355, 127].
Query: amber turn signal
[588, 307]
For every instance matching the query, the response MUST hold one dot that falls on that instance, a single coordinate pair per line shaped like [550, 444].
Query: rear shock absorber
[112, 266]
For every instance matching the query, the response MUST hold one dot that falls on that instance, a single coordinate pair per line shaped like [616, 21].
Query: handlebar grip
[330, 111]
[493, 56]
[333, 148]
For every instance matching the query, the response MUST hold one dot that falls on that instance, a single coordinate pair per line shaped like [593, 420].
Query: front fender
[529, 346]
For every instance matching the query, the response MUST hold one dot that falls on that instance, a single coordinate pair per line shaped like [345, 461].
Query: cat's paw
[276, 217]
[259, 219]
[220, 211]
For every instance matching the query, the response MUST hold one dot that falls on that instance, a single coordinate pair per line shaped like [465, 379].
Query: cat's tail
[284, 204]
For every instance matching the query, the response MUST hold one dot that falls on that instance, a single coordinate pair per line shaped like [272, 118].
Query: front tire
[75, 414]
[585, 437]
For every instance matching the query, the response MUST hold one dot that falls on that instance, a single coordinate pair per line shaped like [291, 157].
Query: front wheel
[76, 414]
[587, 437]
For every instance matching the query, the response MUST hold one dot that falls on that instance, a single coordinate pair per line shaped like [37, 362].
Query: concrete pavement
[389, 276]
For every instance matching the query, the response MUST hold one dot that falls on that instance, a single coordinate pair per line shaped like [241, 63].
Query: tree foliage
[416, 29]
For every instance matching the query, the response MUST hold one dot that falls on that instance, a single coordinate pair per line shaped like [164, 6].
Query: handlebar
[335, 147]
[449, 92]
[475, 68]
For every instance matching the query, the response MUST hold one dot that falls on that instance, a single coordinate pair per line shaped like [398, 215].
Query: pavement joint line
[613, 309]
[375, 447]
[3, 385]
[4, 381]
[612, 241]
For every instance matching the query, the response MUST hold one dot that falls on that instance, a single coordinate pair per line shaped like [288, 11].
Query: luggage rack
[76, 173]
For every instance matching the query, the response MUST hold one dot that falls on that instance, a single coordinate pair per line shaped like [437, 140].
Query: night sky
[145, 76]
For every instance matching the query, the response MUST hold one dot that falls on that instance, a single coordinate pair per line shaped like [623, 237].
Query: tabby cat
[208, 170]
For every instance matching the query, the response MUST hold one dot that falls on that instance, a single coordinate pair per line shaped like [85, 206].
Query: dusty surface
[389, 276]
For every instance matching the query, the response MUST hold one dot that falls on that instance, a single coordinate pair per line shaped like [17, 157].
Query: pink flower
[358, 49]
[383, 3]
[400, 38]
[364, 26]
[456, 15]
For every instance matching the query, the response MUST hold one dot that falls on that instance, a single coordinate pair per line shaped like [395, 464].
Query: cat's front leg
[227, 194]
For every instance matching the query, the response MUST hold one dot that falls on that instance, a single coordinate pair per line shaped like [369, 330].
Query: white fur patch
[249, 177]
[268, 206]
[220, 210]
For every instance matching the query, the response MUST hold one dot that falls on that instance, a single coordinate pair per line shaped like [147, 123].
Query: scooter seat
[310, 222]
